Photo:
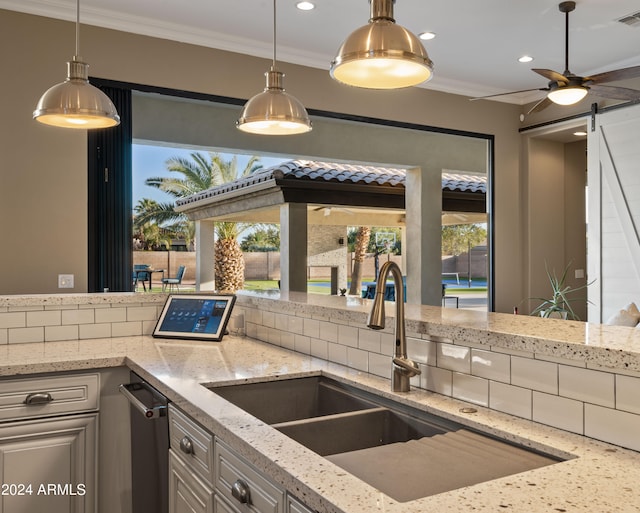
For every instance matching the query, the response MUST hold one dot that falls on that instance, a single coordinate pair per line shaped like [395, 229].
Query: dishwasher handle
[150, 412]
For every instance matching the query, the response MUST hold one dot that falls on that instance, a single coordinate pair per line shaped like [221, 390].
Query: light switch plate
[65, 281]
[579, 274]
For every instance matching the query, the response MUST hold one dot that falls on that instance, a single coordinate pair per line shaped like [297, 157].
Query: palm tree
[363, 236]
[200, 173]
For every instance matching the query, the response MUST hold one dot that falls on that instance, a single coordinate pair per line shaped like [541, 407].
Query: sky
[149, 161]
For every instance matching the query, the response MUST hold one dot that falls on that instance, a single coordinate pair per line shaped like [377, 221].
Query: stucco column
[205, 255]
[293, 247]
[423, 197]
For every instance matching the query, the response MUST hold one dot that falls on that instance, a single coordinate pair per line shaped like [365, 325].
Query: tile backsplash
[559, 392]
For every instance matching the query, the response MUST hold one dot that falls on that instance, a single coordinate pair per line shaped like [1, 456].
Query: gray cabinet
[187, 493]
[190, 465]
[48, 447]
[208, 476]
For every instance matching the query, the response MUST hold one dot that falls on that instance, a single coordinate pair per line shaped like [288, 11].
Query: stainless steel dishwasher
[149, 446]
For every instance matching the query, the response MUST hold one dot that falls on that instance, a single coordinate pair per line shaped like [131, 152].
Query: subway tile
[328, 331]
[4, 336]
[587, 385]
[311, 328]
[454, 358]
[337, 353]
[369, 340]
[357, 359]
[380, 365]
[262, 333]
[95, 330]
[558, 412]
[23, 308]
[302, 344]
[287, 340]
[613, 426]
[563, 361]
[56, 333]
[512, 352]
[534, 374]
[254, 315]
[296, 324]
[490, 365]
[470, 388]
[78, 316]
[422, 351]
[44, 318]
[148, 327]
[273, 336]
[115, 314]
[126, 329]
[319, 348]
[387, 343]
[282, 322]
[252, 330]
[13, 320]
[26, 335]
[628, 394]
[509, 399]
[269, 319]
[348, 335]
[140, 313]
[437, 380]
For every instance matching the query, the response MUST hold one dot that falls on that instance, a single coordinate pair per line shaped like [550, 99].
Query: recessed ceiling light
[305, 6]
[425, 36]
[525, 58]
[580, 134]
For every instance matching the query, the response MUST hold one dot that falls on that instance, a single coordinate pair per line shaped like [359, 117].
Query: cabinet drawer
[187, 492]
[193, 443]
[295, 506]
[232, 471]
[47, 396]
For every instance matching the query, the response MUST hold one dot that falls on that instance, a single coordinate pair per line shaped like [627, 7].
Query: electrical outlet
[65, 281]
[579, 274]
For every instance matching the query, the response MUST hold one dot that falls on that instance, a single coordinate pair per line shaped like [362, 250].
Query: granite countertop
[599, 478]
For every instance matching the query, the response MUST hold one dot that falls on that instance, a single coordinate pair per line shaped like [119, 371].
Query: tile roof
[340, 173]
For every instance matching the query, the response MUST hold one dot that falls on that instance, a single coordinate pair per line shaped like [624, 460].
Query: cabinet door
[187, 494]
[49, 465]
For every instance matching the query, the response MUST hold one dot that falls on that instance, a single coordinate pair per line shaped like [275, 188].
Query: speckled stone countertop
[599, 477]
[613, 347]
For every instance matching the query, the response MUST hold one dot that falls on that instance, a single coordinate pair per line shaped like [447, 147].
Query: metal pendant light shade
[382, 54]
[75, 103]
[274, 111]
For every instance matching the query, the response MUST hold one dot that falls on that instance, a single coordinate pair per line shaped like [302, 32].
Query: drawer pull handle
[186, 445]
[38, 398]
[240, 491]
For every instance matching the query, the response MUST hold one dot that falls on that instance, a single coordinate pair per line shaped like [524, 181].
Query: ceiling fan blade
[615, 93]
[541, 105]
[511, 92]
[551, 75]
[614, 75]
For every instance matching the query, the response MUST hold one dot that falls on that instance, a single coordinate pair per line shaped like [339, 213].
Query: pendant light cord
[273, 64]
[77, 28]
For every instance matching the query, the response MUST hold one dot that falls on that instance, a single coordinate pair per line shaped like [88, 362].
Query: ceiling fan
[566, 88]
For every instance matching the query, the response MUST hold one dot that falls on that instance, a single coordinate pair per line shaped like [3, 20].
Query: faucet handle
[409, 367]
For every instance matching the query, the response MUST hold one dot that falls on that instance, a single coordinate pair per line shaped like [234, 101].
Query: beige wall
[43, 195]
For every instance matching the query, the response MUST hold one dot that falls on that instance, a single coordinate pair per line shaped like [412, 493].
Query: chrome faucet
[403, 368]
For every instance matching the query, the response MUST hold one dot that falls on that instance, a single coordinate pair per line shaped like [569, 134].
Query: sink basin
[423, 454]
[286, 400]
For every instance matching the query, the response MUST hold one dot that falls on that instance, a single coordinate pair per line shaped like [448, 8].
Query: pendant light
[75, 103]
[382, 54]
[274, 111]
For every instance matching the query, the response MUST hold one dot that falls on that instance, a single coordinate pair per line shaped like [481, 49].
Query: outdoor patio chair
[171, 282]
[139, 275]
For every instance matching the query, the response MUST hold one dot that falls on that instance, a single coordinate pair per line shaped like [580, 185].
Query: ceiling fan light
[274, 111]
[567, 95]
[75, 103]
[382, 54]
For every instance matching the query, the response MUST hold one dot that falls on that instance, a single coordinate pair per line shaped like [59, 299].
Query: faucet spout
[403, 368]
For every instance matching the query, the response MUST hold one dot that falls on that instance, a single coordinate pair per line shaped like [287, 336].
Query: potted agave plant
[559, 304]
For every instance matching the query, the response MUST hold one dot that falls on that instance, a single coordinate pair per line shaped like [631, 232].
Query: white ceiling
[475, 52]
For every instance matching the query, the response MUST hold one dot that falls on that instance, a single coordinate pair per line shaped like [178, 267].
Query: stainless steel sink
[423, 454]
